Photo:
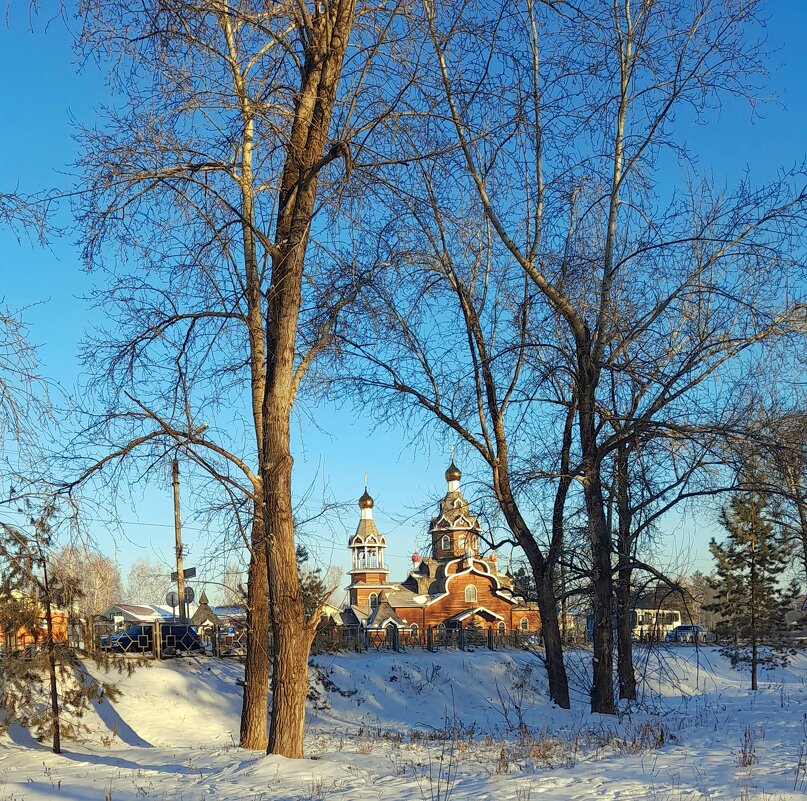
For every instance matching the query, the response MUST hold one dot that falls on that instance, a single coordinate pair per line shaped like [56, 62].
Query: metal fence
[153, 639]
[353, 638]
[139, 640]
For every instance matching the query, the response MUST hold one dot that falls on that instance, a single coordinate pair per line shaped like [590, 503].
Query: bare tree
[453, 333]
[233, 587]
[777, 466]
[91, 582]
[553, 119]
[147, 582]
[209, 179]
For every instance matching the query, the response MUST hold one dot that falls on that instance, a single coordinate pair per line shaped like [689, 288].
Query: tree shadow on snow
[115, 723]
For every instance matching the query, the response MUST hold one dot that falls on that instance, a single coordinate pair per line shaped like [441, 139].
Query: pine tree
[45, 685]
[751, 600]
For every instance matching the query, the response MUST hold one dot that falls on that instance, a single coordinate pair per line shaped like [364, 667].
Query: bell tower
[369, 573]
[454, 531]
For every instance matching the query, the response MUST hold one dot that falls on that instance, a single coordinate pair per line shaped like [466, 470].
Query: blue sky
[44, 89]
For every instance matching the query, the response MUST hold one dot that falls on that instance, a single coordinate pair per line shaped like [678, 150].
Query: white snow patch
[451, 726]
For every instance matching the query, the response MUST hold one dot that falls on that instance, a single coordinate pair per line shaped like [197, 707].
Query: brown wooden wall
[439, 611]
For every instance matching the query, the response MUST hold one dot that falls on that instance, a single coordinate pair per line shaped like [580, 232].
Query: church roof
[454, 513]
[477, 610]
[401, 597]
[352, 616]
[382, 615]
[366, 528]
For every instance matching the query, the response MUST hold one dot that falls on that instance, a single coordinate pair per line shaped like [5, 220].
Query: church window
[525, 624]
[373, 600]
[461, 542]
[502, 628]
[446, 543]
[470, 594]
[414, 631]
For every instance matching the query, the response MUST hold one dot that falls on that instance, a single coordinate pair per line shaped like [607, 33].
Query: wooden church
[452, 588]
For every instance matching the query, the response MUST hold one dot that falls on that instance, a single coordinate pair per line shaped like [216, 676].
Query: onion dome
[415, 558]
[366, 501]
[453, 472]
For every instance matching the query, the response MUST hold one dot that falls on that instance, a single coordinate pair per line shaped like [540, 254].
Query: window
[502, 628]
[461, 542]
[524, 625]
[446, 543]
[414, 631]
[373, 559]
[373, 600]
[470, 594]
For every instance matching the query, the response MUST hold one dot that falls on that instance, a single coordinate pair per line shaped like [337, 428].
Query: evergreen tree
[750, 599]
[45, 685]
[312, 583]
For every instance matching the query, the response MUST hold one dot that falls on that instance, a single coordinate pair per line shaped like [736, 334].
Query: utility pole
[183, 617]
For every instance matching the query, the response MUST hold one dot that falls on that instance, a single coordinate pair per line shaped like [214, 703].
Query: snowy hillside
[436, 726]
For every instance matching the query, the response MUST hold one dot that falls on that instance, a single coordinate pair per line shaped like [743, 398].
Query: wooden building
[454, 587]
[23, 624]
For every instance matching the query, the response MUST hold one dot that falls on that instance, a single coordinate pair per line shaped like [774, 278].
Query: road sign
[188, 573]
[189, 594]
[172, 599]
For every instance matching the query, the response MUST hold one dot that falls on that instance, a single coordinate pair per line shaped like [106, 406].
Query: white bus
[653, 624]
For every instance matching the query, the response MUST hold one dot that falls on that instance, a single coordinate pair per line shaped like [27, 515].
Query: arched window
[373, 600]
[502, 628]
[470, 594]
[446, 543]
[524, 625]
[415, 631]
[461, 542]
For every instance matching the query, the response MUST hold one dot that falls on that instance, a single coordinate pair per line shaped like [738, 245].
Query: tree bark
[256, 669]
[328, 32]
[602, 688]
[56, 727]
[623, 589]
[547, 598]
[553, 648]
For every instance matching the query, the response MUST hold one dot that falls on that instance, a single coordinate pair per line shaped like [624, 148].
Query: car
[687, 633]
[139, 639]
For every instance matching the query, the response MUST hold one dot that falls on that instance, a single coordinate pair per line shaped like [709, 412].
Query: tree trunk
[602, 685]
[623, 590]
[545, 585]
[256, 670]
[291, 632]
[624, 634]
[328, 32]
[553, 648]
[51, 646]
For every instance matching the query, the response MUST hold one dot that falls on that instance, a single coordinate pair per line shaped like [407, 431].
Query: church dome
[453, 472]
[366, 501]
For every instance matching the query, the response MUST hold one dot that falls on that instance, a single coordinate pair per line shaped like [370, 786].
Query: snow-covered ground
[437, 727]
